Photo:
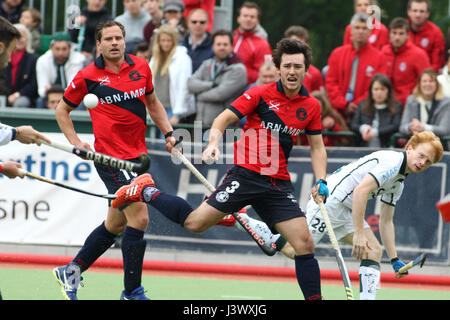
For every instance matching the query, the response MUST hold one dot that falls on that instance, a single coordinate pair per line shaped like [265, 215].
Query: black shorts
[115, 178]
[272, 199]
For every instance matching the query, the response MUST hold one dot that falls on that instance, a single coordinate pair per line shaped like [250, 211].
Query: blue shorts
[115, 178]
[272, 199]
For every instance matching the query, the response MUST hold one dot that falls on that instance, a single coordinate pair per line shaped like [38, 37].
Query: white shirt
[388, 169]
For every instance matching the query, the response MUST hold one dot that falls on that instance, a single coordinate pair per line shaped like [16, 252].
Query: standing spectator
[21, 73]
[134, 19]
[153, 7]
[198, 41]
[378, 116]
[207, 5]
[12, 9]
[173, 15]
[58, 65]
[313, 80]
[53, 97]
[351, 68]
[252, 49]
[90, 16]
[379, 33]
[403, 61]
[427, 109]
[171, 67]
[31, 18]
[444, 78]
[425, 34]
[219, 80]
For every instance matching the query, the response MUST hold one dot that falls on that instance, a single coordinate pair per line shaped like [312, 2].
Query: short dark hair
[8, 32]
[297, 31]
[107, 24]
[251, 5]
[398, 23]
[222, 32]
[56, 88]
[410, 2]
[291, 46]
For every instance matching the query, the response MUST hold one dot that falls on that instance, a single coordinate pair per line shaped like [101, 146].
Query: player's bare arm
[359, 204]
[318, 160]
[62, 115]
[158, 113]
[26, 134]
[222, 121]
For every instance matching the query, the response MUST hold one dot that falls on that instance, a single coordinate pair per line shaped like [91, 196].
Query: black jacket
[14, 16]
[202, 52]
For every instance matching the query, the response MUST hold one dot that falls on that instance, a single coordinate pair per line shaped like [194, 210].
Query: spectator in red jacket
[351, 68]
[207, 5]
[403, 61]
[379, 34]
[313, 79]
[425, 34]
[252, 49]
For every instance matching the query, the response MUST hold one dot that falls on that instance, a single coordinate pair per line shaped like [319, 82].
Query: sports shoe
[136, 294]
[69, 278]
[133, 191]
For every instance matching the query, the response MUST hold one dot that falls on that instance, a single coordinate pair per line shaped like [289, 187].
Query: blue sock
[95, 245]
[172, 207]
[308, 276]
[133, 250]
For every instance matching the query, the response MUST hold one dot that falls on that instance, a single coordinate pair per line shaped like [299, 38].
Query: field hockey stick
[339, 258]
[40, 178]
[420, 260]
[270, 251]
[102, 159]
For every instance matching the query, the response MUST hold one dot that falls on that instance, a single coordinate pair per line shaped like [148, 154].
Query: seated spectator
[403, 61]
[332, 121]
[31, 18]
[206, 5]
[153, 7]
[90, 16]
[142, 50]
[12, 9]
[198, 41]
[252, 49]
[21, 73]
[53, 96]
[313, 79]
[379, 33]
[425, 34]
[427, 108]
[444, 78]
[219, 80]
[171, 68]
[377, 117]
[58, 65]
[351, 68]
[134, 19]
[173, 15]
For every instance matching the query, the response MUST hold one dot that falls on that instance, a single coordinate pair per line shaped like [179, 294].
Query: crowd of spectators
[382, 80]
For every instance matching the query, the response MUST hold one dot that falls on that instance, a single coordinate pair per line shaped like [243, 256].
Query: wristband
[168, 134]
[14, 133]
[1, 167]
[394, 259]
[321, 181]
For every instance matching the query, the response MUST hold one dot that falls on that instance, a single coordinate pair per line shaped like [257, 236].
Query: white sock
[369, 278]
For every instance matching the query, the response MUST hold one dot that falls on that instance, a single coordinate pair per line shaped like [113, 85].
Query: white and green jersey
[388, 169]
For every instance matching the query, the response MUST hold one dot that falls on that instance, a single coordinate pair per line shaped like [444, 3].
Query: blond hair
[427, 137]
[161, 60]
[439, 94]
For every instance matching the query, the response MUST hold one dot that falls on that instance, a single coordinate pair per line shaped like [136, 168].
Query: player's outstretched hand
[11, 169]
[397, 264]
[27, 135]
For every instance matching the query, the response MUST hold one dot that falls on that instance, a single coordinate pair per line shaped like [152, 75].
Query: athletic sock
[369, 278]
[174, 208]
[94, 246]
[133, 250]
[308, 276]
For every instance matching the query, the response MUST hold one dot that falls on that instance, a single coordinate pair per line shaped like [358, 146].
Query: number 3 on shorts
[233, 187]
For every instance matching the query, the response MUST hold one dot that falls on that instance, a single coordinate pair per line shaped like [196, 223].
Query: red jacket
[337, 80]
[313, 79]
[431, 39]
[404, 67]
[253, 51]
[207, 5]
[378, 37]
